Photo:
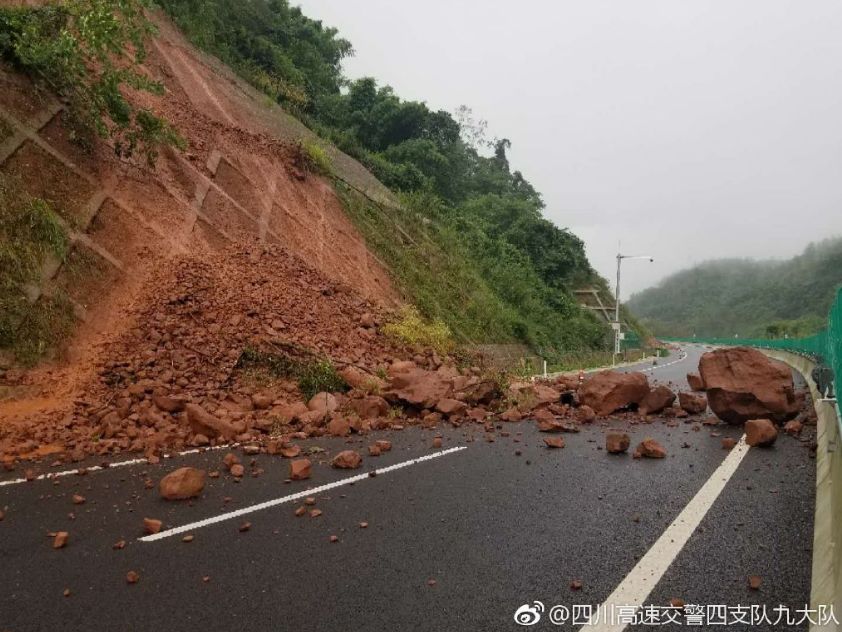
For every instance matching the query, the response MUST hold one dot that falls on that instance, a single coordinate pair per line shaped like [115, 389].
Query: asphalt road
[455, 542]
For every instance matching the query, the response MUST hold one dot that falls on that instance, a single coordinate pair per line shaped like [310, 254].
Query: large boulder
[656, 400]
[760, 432]
[608, 391]
[743, 384]
[419, 387]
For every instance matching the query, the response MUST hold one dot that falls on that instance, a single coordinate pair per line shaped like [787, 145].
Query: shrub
[89, 52]
[312, 374]
[315, 158]
[411, 329]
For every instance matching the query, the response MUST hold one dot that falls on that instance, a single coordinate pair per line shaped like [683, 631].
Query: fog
[684, 130]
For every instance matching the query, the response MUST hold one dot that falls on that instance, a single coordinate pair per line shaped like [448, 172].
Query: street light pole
[616, 323]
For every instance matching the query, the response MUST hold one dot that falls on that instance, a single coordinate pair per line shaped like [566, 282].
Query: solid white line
[292, 497]
[637, 585]
[99, 468]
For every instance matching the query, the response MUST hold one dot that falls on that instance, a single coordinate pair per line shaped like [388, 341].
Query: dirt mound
[237, 190]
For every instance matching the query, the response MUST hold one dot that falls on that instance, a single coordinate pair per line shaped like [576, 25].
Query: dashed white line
[637, 585]
[293, 497]
[99, 468]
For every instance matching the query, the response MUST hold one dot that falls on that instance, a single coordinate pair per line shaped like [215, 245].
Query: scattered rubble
[650, 449]
[692, 403]
[617, 442]
[347, 459]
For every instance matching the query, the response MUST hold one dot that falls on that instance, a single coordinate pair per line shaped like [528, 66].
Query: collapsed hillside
[201, 230]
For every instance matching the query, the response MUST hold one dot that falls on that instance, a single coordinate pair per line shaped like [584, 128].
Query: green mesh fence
[827, 344]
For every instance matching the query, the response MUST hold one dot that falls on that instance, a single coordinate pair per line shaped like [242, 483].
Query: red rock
[119, 545]
[384, 445]
[246, 526]
[300, 511]
[230, 459]
[576, 584]
[609, 391]
[369, 407]
[760, 432]
[237, 470]
[66, 592]
[793, 427]
[544, 394]
[373, 450]
[692, 403]
[323, 403]
[334, 538]
[363, 525]
[656, 400]
[202, 422]
[675, 602]
[338, 427]
[585, 414]
[754, 582]
[262, 401]
[183, 483]
[617, 442]
[359, 379]
[150, 525]
[169, 404]
[554, 442]
[418, 387]
[650, 449]
[437, 443]
[695, 382]
[132, 577]
[315, 513]
[512, 414]
[744, 384]
[290, 451]
[60, 539]
[347, 460]
[299, 469]
[78, 499]
[728, 443]
[451, 407]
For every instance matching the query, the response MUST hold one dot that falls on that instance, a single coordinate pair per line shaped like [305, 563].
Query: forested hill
[750, 298]
[480, 254]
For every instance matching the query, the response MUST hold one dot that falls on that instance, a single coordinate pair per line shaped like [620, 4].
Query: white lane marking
[681, 358]
[99, 468]
[292, 497]
[637, 585]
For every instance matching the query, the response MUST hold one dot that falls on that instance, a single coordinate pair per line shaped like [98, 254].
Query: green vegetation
[768, 299]
[410, 328]
[316, 159]
[470, 246]
[30, 232]
[313, 374]
[88, 52]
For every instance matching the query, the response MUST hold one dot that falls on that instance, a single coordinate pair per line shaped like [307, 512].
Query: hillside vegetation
[749, 298]
[470, 244]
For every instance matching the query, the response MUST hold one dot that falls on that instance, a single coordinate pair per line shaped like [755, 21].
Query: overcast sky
[684, 129]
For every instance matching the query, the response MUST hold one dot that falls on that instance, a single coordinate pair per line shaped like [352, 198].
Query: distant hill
[724, 297]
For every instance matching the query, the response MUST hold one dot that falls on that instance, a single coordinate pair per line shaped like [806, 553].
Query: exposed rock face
[760, 432]
[695, 382]
[608, 391]
[744, 384]
[657, 399]
[692, 403]
[183, 483]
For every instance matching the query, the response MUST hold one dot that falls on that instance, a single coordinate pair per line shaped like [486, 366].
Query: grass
[313, 374]
[315, 158]
[30, 231]
[411, 329]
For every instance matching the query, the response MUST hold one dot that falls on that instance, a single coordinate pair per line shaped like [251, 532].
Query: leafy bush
[315, 158]
[411, 329]
[89, 53]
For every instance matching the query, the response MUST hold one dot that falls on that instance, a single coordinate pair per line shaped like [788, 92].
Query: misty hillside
[725, 297]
